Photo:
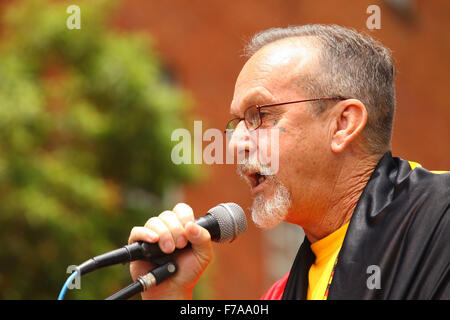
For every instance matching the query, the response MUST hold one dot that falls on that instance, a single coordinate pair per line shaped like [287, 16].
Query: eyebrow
[251, 100]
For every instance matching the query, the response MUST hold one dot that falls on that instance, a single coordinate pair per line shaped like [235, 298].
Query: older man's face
[266, 78]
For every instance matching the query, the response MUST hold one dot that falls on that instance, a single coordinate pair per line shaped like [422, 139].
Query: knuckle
[135, 231]
[183, 207]
[151, 221]
[172, 222]
[167, 215]
[133, 235]
[184, 212]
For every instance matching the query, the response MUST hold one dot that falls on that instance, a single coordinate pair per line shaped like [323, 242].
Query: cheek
[268, 145]
[300, 155]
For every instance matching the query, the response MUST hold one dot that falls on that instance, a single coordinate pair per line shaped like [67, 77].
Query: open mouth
[256, 176]
[256, 179]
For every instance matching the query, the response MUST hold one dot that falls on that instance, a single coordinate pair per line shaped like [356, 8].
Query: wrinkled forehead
[274, 68]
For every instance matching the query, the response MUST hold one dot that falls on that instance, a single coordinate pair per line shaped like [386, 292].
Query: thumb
[200, 240]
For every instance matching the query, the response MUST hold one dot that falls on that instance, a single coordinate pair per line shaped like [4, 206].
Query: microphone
[225, 222]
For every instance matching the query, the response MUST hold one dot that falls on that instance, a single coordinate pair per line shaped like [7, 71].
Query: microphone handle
[153, 251]
[143, 250]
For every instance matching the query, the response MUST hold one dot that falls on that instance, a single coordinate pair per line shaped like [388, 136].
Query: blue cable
[66, 285]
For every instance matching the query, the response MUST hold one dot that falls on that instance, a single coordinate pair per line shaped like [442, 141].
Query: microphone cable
[224, 223]
[66, 284]
[143, 283]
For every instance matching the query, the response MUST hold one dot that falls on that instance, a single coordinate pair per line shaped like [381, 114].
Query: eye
[264, 114]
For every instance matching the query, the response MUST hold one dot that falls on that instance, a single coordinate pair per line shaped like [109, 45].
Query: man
[376, 227]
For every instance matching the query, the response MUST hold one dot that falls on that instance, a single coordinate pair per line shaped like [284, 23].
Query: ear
[350, 117]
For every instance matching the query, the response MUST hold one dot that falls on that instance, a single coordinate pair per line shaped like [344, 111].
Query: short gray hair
[351, 65]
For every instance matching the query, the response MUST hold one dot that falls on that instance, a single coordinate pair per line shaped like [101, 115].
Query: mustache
[247, 166]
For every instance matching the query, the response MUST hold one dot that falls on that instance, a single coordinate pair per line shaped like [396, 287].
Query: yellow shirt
[326, 251]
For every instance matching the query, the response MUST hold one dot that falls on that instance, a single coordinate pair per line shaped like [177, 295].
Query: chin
[271, 199]
[270, 210]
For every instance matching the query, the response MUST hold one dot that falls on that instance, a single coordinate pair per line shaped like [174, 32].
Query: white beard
[268, 213]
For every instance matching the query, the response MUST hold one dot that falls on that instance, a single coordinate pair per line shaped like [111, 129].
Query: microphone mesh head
[232, 220]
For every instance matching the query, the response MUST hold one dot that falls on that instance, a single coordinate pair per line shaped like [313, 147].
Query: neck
[341, 197]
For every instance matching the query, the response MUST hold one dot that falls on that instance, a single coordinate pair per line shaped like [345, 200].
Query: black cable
[143, 283]
[127, 292]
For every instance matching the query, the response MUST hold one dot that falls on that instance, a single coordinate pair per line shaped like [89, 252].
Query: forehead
[270, 72]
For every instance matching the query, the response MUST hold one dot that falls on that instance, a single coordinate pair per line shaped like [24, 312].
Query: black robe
[400, 226]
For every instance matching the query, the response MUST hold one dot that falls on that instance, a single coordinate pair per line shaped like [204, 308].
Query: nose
[239, 143]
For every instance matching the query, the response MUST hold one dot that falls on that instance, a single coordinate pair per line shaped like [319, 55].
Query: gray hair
[351, 65]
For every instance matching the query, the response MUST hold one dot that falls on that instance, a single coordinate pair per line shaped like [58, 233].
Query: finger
[175, 227]
[166, 242]
[200, 240]
[184, 213]
[139, 268]
[142, 234]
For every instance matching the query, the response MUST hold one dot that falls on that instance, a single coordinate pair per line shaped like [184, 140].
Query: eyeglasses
[253, 118]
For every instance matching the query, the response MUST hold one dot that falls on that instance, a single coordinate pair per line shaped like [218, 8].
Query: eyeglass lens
[252, 117]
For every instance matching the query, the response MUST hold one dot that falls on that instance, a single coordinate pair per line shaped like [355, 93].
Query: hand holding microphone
[156, 242]
[173, 230]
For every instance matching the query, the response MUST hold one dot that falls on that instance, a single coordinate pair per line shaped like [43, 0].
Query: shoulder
[425, 194]
[423, 185]
[275, 292]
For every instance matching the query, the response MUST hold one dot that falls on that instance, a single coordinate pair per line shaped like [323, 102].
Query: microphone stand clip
[165, 268]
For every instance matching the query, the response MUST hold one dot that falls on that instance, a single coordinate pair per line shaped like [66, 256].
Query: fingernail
[167, 246]
[181, 242]
[195, 232]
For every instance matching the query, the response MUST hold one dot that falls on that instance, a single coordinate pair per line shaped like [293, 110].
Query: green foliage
[85, 122]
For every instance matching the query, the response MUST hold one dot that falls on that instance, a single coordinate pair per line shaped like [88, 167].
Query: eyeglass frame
[258, 107]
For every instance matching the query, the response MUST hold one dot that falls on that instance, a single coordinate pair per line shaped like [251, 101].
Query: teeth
[261, 178]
